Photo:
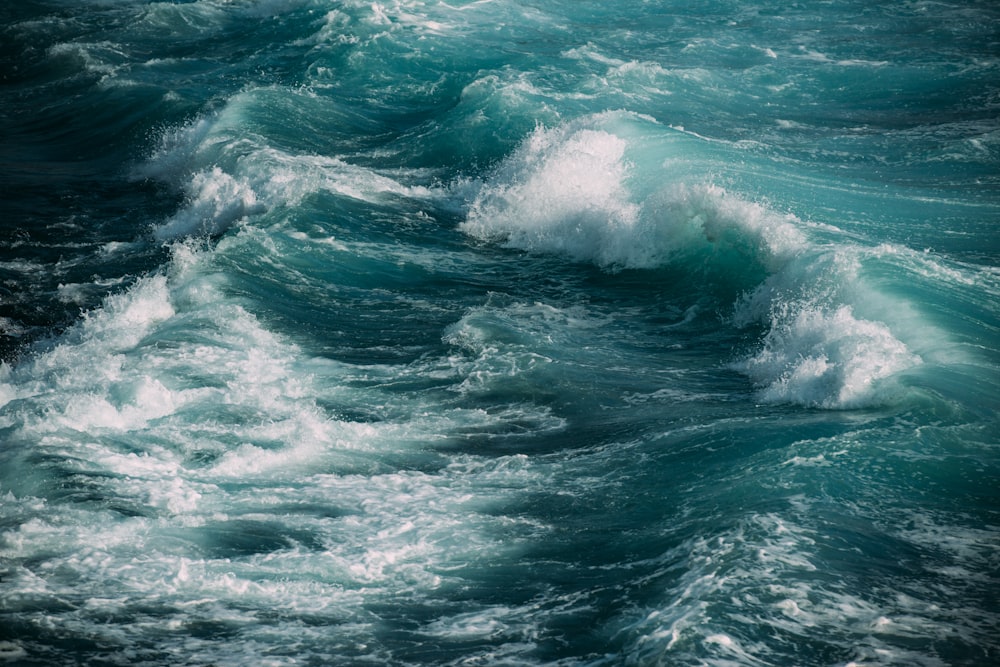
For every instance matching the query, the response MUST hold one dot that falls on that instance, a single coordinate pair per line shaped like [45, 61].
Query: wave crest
[826, 358]
[569, 191]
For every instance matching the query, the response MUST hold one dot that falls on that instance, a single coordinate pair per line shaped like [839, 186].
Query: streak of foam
[762, 576]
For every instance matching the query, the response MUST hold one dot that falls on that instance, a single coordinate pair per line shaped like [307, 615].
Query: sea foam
[226, 179]
[826, 358]
[563, 191]
[570, 190]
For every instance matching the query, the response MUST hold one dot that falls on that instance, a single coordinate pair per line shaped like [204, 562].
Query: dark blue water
[499, 333]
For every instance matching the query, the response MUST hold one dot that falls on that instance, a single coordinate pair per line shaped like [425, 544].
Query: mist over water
[425, 333]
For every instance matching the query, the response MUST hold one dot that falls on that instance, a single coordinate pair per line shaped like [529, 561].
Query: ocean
[499, 332]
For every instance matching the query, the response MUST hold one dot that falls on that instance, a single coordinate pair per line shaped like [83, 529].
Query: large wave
[584, 190]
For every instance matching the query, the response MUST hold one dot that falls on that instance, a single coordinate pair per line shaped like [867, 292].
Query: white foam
[826, 358]
[121, 324]
[215, 200]
[567, 191]
[833, 339]
[563, 191]
[228, 177]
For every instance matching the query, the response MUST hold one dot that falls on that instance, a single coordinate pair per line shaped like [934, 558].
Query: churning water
[499, 332]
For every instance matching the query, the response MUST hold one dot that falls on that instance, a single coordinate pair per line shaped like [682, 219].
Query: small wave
[215, 201]
[227, 176]
[563, 191]
[828, 359]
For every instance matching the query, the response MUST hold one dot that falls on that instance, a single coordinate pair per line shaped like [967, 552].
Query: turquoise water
[499, 333]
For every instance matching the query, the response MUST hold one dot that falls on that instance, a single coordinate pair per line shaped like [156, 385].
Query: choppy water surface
[557, 333]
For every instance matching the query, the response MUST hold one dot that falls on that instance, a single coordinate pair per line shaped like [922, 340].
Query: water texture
[499, 333]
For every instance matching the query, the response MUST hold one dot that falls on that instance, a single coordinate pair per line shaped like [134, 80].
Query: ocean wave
[473, 332]
[569, 190]
[572, 191]
[227, 177]
[827, 359]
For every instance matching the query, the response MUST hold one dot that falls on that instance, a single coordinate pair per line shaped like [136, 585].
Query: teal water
[499, 333]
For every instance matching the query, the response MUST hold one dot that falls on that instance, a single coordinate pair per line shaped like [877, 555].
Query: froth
[227, 177]
[215, 201]
[827, 358]
[564, 192]
[570, 190]
[832, 338]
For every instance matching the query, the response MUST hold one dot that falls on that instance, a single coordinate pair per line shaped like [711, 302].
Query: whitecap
[568, 191]
[826, 358]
